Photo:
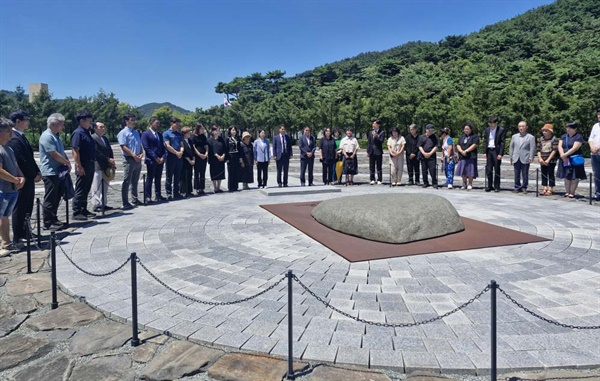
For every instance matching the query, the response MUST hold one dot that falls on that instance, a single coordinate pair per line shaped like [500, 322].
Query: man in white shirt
[594, 142]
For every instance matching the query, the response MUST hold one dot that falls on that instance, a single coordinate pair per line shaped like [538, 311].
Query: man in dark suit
[26, 162]
[376, 137]
[307, 147]
[282, 152]
[84, 154]
[154, 146]
[104, 160]
[494, 140]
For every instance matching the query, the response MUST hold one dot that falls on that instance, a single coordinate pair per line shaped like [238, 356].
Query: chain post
[591, 176]
[54, 304]
[144, 187]
[493, 365]
[28, 235]
[103, 190]
[135, 341]
[67, 212]
[290, 372]
[39, 224]
[537, 185]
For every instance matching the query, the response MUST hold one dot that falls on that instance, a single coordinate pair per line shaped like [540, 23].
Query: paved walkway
[225, 247]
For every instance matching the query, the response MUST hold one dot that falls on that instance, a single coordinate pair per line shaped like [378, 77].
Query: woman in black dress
[568, 168]
[185, 184]
[217, 156]
[235, 160]
[200, 144]
[247, 154]
[328, 156]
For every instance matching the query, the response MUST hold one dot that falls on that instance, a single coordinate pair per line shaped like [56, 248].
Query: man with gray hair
[412, 152]
[11, 180]
[54, 166]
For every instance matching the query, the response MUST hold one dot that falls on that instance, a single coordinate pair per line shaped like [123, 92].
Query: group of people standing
[186, 153]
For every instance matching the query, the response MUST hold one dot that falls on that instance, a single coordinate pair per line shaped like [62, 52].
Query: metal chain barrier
[399, 325]
[543, 318]
[87, 272]
[204, 301]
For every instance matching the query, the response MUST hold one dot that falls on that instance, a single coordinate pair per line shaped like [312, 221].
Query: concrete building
[35, 89]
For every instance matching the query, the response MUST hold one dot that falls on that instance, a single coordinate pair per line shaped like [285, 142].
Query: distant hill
[149, 108]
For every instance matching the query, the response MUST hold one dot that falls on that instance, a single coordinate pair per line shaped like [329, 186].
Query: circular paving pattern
[225, 248]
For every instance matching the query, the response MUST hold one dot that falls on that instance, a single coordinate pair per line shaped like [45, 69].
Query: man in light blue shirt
[131, 148]
[54, 166]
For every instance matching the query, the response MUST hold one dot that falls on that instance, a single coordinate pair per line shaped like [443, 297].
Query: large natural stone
[11, 265]
[179, 359]
[9, 324]
[17, 349]
[64, 317]
[144, 353]
[53, 368]
[24, 305]
[245, 367]
[391, 218]
[45, 297]
[325, 373]
[571, 375]
[112, 368]
[100, 337]
[29, 284]
[6, 311]
[422, 375]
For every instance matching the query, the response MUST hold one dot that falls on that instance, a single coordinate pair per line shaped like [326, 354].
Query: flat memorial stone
[100, 337]
[64, 317]
[242, 367]
[390, 218]
[28, 284]
[53, 368]
[17, 349]
[179, 359]
[110, 368]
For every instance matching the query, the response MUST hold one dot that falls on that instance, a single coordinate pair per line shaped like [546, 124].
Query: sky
[178, 50]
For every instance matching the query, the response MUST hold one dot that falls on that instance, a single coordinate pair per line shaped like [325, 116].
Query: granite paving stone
[218, 262]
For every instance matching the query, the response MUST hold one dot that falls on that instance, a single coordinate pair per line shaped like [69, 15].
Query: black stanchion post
[67, 212]
[390, 173]
[54, 304]
[39, 224]
[103, 190]
[290, 372]
[537, 182]
[591, 176]
[135, 341]
[493, 366]
[144, 186]
[28, 235]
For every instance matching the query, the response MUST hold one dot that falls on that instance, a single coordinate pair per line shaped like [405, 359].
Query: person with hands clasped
[521, 153]
[11, 180]
[571, 162]
[131, 148]
[547, 152]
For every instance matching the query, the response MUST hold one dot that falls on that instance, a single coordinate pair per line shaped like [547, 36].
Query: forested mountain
[148, 109]
[542, 66]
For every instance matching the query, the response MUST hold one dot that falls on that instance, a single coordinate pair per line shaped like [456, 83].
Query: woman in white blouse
[349, 147]
[262, 155]
[396, 144]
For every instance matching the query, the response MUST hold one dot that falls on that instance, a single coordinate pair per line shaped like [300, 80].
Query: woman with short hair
[349, 146]
[467, 155]
[185, 183]
[200, 146]
[571, 162]
[262, 157]
[448, 156]
[235, 160]
[396, 145]
[217, 156]
[247, 155]
[327, 156]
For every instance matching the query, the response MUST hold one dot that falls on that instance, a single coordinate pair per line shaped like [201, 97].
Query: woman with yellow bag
[339, 164]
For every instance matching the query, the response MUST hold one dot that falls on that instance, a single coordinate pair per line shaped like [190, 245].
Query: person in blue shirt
[173, 143]
[84, 154]
[131, 148]
[54, 166]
